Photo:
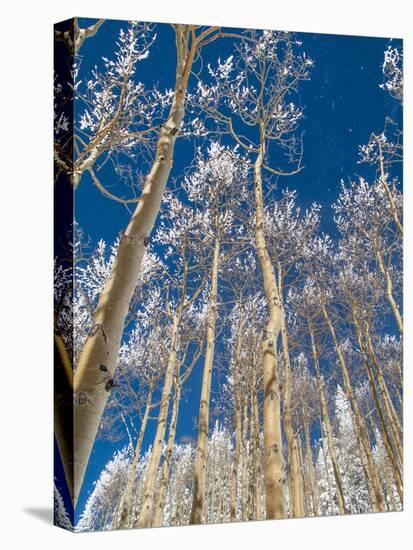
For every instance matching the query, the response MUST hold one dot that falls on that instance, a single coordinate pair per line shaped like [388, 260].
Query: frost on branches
[240, 342]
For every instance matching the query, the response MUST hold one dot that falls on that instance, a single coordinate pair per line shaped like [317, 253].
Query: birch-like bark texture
[274, 471]
[124, 517]
[395, 424]
[101, 348]
[148, 503]
[383, 179]
[294, 474]
[237, 414]
[257, 455]
[230, 273]
[244, 454]
[389, 286]
[310, 465]
[203, 419]
[164, 479]
[327, 424]
[385, 434]
[377, 500]
[75, 37]
[327, 474]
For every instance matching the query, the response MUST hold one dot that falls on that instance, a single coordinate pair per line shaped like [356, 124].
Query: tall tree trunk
[387, 483]
[389, 286]
[395, 425]
[124, 518]
[245, 449]
[203, 421]
[163, 483]
[304, 492]
[255, 470]
[329, 485]
[251, 470]
[327, 424]
[237, 402]
[294, 470]
[385, 434]
[102, 346]
[311, 476]
[383, 180]
[377, 501]
[274, 470]
[147, 508]
[257, 455]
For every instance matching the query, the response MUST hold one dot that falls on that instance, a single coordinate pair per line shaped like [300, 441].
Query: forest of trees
[223, 289]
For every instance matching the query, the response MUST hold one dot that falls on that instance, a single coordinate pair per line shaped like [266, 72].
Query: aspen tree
[267, 60]
[354, 292]
[377, 496]
[237, 413]
[179, 381]
[102, 347]
[75, 36]
[186, 281]
[203, 421]
[327, 423]
[221, 176]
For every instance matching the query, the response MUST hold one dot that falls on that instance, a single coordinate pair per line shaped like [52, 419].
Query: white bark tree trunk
[274, 471]
[237, 415]
[294, 470]
[327, 423]
[147, 508]
[163, 483]
[97, 363]
[124, 518]
[373, 482]
[203, 420]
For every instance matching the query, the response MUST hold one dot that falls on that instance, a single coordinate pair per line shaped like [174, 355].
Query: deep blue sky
[343, 105]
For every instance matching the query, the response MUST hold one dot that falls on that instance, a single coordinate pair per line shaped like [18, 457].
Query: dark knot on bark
[110, 384]
[81, 399]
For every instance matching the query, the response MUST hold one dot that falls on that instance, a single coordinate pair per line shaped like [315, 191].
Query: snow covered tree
[254, 88]
[103, 346]
[60, 515]
[216, 187]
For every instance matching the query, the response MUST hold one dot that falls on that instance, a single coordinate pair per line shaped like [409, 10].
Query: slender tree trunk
[387, 482]
[163, 484]
[311, 476]
[388, 191]
[147, 508]
[124, 518]
[330, 488]
[237, 402]
[294, 471]
[360, 430]
[251, 469]
[203, 421]
[303, 485]
[385, 434]
[389, 287]
[395, 425]
[235, 464]
[257, 455]
[274, 470]
[327, 424]
[102, 346]
[245, 449]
